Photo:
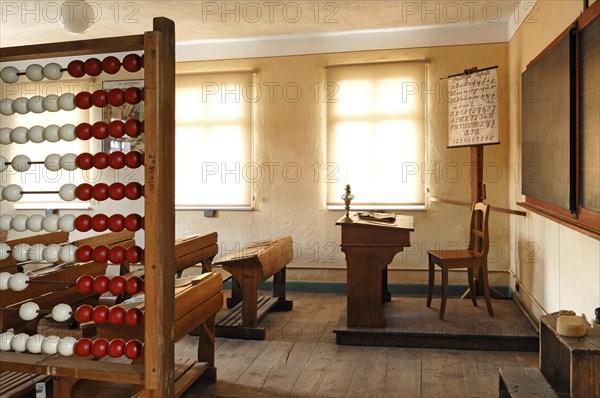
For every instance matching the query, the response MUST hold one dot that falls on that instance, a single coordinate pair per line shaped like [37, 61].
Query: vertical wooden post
[159, 190]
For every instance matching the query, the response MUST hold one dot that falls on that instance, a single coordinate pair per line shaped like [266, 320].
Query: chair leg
[444, 291]
[486, 289]
[472, 288]
[431, 280]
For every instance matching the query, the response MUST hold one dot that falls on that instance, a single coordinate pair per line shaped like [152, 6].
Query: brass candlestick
[347, 198]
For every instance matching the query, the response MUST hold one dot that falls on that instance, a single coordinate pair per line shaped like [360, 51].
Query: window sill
[220, 208]
[379, 207]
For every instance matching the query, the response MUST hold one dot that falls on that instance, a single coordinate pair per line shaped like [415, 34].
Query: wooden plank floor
[300, 358]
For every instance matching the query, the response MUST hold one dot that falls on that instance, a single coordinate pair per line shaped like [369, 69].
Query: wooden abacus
[156, 375]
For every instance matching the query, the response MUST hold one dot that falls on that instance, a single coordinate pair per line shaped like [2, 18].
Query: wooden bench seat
[524, 383]
[249, 267]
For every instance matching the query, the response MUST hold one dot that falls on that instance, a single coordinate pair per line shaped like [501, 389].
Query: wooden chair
[475, 257]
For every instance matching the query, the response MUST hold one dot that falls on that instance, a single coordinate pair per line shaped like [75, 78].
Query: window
[38, 178]
[214, 141]
[376, 134]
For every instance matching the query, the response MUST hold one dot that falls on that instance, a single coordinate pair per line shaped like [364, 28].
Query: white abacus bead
[34, 343]
[67, 132]
[12, 193]
[66, 223]
[18, 282]
[52, 71]
[9, 74]
[4, 277]
[5, 136]
[49, 345]
[5, 339]
[6, 107]
[19, 341]
[61, 312]
[19, 223]
[34, 104]
[67, 162]
[67, 192]
[50, 103]
[66, 102]
[3, 163]
[19, 105]
[19, 253]
[52, 162]
[34, 72]
[34, 223]
[67, 253]
[5, 220]
[51, 133]
[19, 135]
[50, 223]
[36, 252]
[4, 248]
[66, 346]
[21, 163]
[52, 253]
[36, 134]
[1, 193]
[29, 311]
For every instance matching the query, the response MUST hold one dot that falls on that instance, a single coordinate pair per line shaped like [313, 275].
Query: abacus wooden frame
[157, 374]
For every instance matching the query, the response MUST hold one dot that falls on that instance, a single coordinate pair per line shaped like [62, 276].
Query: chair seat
[448, 257]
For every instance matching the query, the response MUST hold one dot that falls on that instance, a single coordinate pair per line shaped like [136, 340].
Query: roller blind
[214, 140]
[376, 134]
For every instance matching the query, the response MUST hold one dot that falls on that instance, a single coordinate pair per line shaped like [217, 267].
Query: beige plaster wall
[558, 266]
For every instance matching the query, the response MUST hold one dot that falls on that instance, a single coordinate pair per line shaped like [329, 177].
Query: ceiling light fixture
[77, 16]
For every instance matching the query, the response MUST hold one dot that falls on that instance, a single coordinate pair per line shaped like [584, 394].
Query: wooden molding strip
[467, 204]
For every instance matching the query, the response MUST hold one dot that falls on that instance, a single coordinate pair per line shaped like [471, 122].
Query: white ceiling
[246, 23]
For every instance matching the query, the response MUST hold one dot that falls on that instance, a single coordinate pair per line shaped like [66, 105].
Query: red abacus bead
[133, 254]
[82, 347]
[83, 223]
[84, 253]
[83, 284]
[99, 98]
[83, 191]
[100, 191]
[99, 314]
[100, 255]
[100, 222]
[132, 95]
[99, 347]
[116, 285]
[116, 191]
[75, 68]
[142, 60]
[116, 315]
[115, 348]
[116, 160]
[133, 285]
[133, 349]
[100, 160]
[133, 316]
[116, 254]
[134, 190]
[83, 100]
[116, 222]
[133, 128]
[132, 63]
[100, 284]
[133, 222]
[116, 97]
[134, 159]
[115, 129]
[84, 161]
[83, 131]
[111, 65]
[83, 313]
[99, 130]
[92, 66]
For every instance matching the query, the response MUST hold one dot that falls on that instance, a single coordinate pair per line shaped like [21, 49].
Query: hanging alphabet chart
[473, 108]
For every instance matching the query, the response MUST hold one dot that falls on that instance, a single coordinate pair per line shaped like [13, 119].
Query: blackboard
[548, 126]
